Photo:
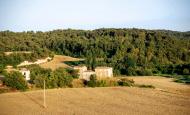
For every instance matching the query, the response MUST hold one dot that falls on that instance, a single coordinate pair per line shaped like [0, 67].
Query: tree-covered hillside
[128, 51]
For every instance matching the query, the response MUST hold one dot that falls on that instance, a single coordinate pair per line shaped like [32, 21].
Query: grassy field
[167, 98]
[58, 61]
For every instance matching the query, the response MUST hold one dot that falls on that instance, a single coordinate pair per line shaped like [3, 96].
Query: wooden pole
[44, 94]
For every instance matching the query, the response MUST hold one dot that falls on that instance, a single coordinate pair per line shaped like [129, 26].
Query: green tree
[16, 80]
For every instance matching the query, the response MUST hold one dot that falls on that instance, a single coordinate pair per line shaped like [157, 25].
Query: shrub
[92, 82]
[36, 72]
[182, 79]
[131, 71]
[63, 77]
[145, 72]
[101, 83]
[125, 82]
[39, 81]
[73, 73]
[145, 86]
[15, 80]
[148, 72]
[186, 71]
[108, 82]
[77, 83]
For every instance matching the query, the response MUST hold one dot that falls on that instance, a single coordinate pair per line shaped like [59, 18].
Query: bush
[73, 73]
[148, 72]
[145, 72]
[185, 71]
[182, 79]
[37, 72]
[131, 71]
[107, 83]
[125, 82]
[101, 83]
[93, 81]
[39, 81]
[145, 86]
[77, 83]
[15, 80]
[63, 77]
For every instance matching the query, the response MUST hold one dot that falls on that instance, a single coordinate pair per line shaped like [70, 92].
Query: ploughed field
[167, 98]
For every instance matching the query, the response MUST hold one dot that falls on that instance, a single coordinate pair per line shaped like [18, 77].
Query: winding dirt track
[168, 98]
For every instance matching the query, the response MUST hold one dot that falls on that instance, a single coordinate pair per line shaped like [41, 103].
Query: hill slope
[104, 101]
[128, 51]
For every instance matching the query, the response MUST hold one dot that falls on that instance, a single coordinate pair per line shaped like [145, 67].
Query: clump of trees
[60, 77]
[15, 80]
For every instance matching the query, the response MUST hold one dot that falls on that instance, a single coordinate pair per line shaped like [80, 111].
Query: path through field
[172, 99]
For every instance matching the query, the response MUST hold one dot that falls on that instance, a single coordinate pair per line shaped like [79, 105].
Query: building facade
[80, 70]
[86, 74]
[26, 73]
[102, 72]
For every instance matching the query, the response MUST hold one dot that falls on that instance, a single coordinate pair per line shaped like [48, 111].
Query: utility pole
[44, 94]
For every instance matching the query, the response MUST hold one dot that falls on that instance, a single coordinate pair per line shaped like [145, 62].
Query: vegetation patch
[15, 80]
[177, 78]
[109, 82]
[182, 79]
[145, 86]
[125, 82]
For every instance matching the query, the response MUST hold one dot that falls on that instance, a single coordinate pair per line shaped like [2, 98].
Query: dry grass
[100, 101]
[58, 61]
[164, 84]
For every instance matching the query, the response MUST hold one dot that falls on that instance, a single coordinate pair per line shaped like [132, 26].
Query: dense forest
[128, 51]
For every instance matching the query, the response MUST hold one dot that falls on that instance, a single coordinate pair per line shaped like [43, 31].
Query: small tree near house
[15, 80]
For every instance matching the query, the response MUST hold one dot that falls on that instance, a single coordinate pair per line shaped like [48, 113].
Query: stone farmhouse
[100, 72]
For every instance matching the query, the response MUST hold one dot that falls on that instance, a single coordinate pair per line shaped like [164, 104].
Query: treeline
[128, 51]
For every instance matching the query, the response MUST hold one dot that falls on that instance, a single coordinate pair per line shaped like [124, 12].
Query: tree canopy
[123, 49]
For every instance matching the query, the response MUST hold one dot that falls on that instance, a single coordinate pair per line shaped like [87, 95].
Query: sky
[47, 15]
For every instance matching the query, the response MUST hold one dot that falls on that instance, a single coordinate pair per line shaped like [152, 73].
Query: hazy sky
[44, 15]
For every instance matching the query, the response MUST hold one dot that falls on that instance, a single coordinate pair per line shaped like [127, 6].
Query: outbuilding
[26, 73]
[102, 72]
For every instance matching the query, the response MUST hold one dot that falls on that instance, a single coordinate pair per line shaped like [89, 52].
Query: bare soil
[169, 98]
